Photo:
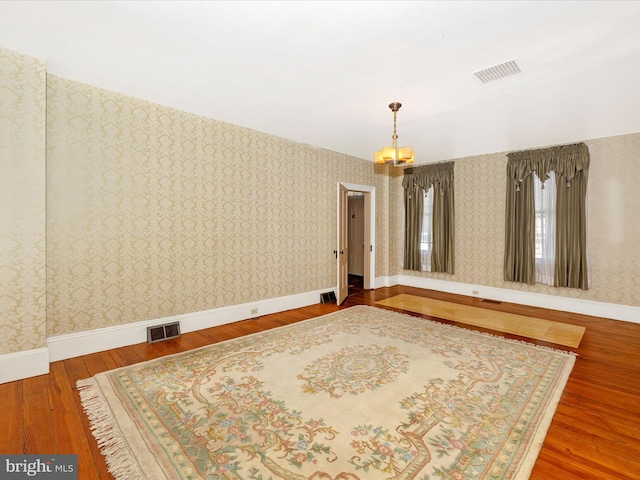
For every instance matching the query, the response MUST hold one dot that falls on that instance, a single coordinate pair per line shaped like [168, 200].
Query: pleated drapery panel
[443, 254]
[520, 230]
[413, 215]
[571, 232]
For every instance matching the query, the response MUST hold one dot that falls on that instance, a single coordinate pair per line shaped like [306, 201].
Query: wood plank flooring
[528, 327]
[595, 433]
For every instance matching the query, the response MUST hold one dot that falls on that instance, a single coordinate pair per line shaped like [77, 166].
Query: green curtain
[416, 181]
[413, 214]
[571, 232]
[520, 241]
[571, 165]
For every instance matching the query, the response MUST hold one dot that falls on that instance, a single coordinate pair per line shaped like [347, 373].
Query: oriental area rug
[362, 393]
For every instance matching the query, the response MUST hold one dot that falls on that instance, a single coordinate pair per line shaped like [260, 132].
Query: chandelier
[394, 155]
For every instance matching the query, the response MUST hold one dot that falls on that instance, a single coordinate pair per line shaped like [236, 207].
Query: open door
[342, 252]
[342, 244]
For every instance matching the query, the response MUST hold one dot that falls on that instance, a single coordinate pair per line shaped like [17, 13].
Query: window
[545, 237]
[538, 219]
[435, 243]
[426, 240]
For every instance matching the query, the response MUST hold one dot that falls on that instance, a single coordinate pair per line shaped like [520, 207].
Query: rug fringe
[120, 460]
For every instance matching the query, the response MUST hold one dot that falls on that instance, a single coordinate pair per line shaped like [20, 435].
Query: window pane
[427, 235]
[545, 216]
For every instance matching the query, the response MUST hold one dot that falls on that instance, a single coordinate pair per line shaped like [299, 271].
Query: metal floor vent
[495, 302]
[329, 297]
[498, 71]
[163, 332]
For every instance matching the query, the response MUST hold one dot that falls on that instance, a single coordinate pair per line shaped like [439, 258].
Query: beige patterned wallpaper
[22, 203]
[613, 223]
[155, 212]
[152, 212]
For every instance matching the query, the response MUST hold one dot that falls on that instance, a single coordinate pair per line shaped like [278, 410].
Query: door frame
[369, 192]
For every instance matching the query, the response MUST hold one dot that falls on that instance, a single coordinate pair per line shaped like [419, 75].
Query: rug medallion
[362, 393]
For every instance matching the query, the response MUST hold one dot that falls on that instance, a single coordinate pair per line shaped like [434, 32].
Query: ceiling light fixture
[394, 155]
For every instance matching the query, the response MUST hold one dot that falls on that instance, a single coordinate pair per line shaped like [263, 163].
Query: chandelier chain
[394, 155]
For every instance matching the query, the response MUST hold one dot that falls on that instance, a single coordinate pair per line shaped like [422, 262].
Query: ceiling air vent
[497, 71]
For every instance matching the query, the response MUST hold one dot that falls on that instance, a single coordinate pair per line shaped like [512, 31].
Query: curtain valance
[424, 176]
[565, 160]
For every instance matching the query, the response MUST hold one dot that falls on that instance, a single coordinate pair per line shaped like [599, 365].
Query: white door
[342, 253]
[342, 288]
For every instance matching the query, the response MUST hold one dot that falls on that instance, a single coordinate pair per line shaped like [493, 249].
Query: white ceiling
[323, 73]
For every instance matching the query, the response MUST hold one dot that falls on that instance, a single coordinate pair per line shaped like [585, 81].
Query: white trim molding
[25, 364]
[92, 341]
[371, 190]
[19, 365]
[613, 311]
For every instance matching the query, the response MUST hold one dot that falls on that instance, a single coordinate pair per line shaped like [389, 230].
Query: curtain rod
[579, 144]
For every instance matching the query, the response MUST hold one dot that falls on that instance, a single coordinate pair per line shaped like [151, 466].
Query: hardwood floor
[595, 433]
[559, 333]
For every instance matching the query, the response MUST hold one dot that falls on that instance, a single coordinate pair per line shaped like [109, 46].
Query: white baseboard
[16, 366]
[92, 341]
[25, 364]
[380, 282]
[613, 311]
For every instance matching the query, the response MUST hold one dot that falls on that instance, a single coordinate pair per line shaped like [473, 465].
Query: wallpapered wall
[613, 224]
[153, 212]
[22, 203]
